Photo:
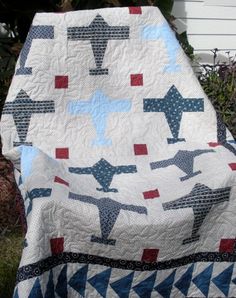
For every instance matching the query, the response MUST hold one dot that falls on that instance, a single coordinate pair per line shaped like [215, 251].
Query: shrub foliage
[219, 83]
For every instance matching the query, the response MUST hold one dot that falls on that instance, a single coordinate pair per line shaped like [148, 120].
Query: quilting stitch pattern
[36, 32]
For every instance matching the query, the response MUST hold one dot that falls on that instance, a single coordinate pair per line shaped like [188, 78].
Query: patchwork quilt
[127, 173]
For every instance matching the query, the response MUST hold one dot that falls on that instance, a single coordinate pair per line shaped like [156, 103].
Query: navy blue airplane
[201, 199]
[184, 160]
[104, 172]
[108, 213]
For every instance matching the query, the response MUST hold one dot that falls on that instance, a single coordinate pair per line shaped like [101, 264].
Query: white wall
[208, 26]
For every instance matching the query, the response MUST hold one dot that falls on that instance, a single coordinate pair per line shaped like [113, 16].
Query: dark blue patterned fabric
[201, 199]
[99, 33]
[36, 32]
[184, 160]
[22, 109]
[173, 105]
[108, 212]
[104, 172]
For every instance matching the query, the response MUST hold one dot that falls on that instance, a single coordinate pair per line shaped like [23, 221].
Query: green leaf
[165, 6]
[188, 49]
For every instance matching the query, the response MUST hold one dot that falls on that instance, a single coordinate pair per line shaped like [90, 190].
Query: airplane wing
[79, 107]
[138, 209]
[162, 163]
[82, 198]
[126, 169]
[86, 170]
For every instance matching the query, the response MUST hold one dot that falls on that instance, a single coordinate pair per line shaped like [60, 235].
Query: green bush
[7, 66]
[10, 252]
[219, 83]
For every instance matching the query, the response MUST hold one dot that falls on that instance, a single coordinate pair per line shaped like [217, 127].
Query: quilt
[128, 175]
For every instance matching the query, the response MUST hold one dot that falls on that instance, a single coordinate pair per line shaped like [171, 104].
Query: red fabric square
[227, 245]
[61, 181]
[140, 149]
[136, 79]
[61, 82]
[151, 194]
[62, 153]
[213, 144]
[150, 255]
[135, 10]
[232, 166]
[57, 245]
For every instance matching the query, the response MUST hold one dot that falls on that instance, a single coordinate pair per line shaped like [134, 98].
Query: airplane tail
[98, 71]
[103, 240]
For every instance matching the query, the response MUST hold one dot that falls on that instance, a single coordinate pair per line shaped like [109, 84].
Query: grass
[10, 252]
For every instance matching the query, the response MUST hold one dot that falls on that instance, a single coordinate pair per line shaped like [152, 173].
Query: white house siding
[208, 27]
